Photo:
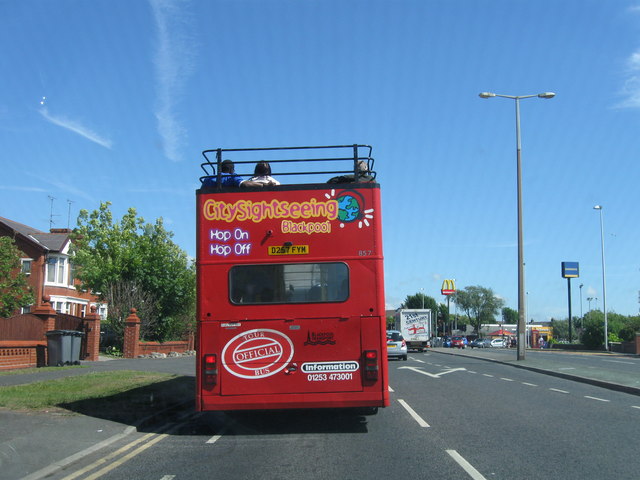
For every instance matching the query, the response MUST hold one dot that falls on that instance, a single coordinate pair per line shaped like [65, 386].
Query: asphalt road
[451, 417]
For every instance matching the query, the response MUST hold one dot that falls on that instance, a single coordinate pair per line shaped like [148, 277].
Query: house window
[26, 266]
[57, 270]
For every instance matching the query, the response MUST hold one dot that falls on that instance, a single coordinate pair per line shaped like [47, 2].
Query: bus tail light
[211, 369]
[371, 365]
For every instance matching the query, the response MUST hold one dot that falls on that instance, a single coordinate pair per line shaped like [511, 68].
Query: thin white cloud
[76, 128]
[631, 89]
[64, 187]
[22, 189]
[173, 63]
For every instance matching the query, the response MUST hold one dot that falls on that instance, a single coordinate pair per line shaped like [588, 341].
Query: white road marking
[168, 477]
[471, 371]
[214, 439]
[557, 390]
[415, 416]
[506, 379]
[619, 361]
[390, 389]
[635, 406]
[432, 375]
[487, 375]
[596, 398]
[416, 360]
[567, 368]
[530, 384]
[466, 466]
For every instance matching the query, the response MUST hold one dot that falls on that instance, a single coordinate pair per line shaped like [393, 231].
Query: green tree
[480, 305]
[131, 263]
[631, 327]
[593, 332]
[14, 291]
[419, 301]
[509, 315]
[560, 329]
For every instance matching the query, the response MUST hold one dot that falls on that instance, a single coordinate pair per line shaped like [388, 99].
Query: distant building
[46, 262]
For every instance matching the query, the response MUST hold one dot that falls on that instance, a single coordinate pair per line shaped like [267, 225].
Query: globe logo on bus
[348, 208]
[257, 353]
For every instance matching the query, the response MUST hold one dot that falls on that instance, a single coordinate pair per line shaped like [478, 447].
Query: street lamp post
[521, 296]
[581, 316]
[604, 279]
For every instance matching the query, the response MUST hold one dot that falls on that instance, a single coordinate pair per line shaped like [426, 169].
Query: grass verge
[124, 396]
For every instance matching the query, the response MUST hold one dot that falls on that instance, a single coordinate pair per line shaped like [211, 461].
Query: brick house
[46, 262]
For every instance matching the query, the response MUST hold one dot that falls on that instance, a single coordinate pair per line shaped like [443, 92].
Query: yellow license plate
[289, 250]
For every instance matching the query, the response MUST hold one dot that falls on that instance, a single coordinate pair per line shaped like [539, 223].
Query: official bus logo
[257, 353]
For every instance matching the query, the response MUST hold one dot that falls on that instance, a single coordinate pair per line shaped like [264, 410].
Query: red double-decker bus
[290, 303]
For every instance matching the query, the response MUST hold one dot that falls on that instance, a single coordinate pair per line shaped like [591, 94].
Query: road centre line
[466, 466]
[558, 390]
[214, 439]
[506, 379]
[471, 371]
[529, 384]
[635, 406]
[596, 398]
[168, 477]
[487, 375]
[415, 416]
[620, 361]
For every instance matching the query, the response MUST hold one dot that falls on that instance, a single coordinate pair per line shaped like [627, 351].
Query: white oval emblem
[257, 353]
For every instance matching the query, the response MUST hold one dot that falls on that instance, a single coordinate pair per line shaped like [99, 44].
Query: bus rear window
[289, 283]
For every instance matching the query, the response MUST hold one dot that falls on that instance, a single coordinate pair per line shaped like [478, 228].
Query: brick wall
[146, 348]
[22, 354]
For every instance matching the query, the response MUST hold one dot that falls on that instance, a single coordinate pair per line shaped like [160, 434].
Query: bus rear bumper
[292, 401]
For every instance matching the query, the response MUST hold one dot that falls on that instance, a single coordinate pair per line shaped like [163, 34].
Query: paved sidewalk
[607, 370]
[32, 445]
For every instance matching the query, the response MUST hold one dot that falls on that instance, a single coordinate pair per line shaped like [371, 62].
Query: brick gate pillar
[131, 348]
[92, 320]
[47, 314]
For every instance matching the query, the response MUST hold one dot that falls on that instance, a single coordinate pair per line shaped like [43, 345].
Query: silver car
[396, 345]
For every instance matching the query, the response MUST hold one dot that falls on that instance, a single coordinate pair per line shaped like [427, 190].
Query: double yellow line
[147, 441]
[150, 438]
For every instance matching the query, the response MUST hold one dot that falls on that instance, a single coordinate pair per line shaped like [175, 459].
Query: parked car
[499, 342]
[457, 342]
[446, 342]
[396, 345]
[481, 343]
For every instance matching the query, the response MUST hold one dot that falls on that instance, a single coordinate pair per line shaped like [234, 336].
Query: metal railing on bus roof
[356, 154]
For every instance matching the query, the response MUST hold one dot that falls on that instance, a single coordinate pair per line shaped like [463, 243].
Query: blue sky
[115, 99]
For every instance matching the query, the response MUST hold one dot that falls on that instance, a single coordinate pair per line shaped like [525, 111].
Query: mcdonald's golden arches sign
[448, 287]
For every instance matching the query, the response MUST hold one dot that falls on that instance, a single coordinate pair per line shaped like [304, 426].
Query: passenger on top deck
[262, 177]
[228, 176]
[364, 176]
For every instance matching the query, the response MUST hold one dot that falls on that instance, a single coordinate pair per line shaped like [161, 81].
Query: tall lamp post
[581, 315]
[521, 295]
[604, 279]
